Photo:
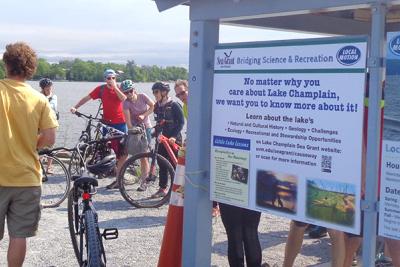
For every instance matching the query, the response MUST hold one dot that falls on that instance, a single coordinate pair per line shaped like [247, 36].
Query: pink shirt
[138, 108]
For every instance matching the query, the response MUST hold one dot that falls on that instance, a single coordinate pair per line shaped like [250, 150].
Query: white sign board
[287, 128]
[389, 215]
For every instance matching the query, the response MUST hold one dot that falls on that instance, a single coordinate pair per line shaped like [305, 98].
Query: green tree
[2, 70]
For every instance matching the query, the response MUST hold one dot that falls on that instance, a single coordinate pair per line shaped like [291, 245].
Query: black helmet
[105, 165]
[160, 86]
[43, 83]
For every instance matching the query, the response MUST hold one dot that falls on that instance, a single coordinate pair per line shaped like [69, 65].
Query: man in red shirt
[112, 99]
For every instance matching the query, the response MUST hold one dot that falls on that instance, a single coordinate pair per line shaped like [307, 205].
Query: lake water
[68, 94]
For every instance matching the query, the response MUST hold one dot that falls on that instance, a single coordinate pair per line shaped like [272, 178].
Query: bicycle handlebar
[109, 129]
[47, 151]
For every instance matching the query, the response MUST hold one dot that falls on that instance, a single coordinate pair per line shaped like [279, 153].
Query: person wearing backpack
[112, 98]
[170, 114]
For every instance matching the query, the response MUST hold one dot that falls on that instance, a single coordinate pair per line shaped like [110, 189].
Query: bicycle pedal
[110, 233]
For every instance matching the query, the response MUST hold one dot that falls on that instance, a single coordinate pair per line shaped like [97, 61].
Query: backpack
[102, 88]
[137, 141]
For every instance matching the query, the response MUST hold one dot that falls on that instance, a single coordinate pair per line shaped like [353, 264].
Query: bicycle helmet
[102, 166]
[127, 85]
[109, 72]
[160, 86]
[43, 83]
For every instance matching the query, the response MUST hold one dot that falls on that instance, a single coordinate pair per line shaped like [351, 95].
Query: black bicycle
[82, 216]
[93, 131]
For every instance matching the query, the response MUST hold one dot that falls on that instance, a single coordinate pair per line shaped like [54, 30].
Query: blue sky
[110, 31]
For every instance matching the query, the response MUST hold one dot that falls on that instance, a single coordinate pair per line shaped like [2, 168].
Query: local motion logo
[348, 55]
[227, 60]
[394, 45]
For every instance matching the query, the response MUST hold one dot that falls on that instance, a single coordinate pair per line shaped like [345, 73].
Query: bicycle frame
[87, 189]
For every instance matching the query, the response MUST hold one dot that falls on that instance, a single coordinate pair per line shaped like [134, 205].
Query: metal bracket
[375, 62]
[369, 206]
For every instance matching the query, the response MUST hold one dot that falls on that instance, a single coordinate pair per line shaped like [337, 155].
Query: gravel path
[140, 237]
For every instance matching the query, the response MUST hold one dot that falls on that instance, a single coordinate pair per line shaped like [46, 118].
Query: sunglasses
[109, 78]
[128, 92]
[180, 94]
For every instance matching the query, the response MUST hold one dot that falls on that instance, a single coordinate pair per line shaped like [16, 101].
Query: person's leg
[16, 252]
[232, 220]
[148, 135]
[120, 162]
[393, 247]
[338, 247]
[22, 220]
[163, 171]
[252, 247]
[352, 243]
[293, 242]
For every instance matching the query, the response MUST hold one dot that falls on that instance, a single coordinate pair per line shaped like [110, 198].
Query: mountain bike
[92, 132]
[82, 216]
[56, 180]
[130, 176]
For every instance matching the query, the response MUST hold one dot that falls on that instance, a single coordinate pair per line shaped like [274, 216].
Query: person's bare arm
[120, 95]
[150, 110]
[128, 118]
[46, 137]
[80, 103]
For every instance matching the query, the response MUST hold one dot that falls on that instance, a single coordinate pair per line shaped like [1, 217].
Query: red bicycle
[139, 178]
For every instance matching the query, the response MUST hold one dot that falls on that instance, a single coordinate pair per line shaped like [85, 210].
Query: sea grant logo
[348, 55]
[394, 45]
[226, 61]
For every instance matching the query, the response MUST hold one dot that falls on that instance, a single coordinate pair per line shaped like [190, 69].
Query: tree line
[79, 70]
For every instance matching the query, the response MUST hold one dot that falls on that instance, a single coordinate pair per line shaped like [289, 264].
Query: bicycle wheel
[55, 181]
[93, 241]
[72, 226]
[130, 179]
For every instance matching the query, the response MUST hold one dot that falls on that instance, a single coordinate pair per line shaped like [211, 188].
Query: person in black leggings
[241, 227]
[169, 114]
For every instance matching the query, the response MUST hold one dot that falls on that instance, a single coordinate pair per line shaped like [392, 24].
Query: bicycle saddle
[85, 180]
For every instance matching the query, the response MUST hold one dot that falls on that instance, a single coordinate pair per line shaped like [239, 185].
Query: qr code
[326, 163]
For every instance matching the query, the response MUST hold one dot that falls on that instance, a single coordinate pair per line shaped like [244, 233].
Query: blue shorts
[119, 126]
[116, 145]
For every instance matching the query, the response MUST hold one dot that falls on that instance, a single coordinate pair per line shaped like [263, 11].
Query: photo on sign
[331, 201]
[239, 174]
[276, 191]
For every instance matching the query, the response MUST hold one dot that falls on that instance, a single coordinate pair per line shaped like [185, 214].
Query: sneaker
[142, 187]
[160, 193]
[317, 232]
[113, 185]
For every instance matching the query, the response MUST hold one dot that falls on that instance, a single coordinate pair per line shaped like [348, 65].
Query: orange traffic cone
[171, 247]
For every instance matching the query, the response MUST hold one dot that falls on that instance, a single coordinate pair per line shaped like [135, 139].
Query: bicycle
[56, 180]
[82, 216]
[75, 164]
[130, 176]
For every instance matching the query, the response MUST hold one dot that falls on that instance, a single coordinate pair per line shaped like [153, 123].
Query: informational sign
[286, 128]
[389, 214]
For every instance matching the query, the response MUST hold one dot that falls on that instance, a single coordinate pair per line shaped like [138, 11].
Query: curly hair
[20, 60]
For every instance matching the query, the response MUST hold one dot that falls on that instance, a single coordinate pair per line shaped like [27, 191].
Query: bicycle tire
[55, 184]
[92, 240]
[71, 226]
[128, 181]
